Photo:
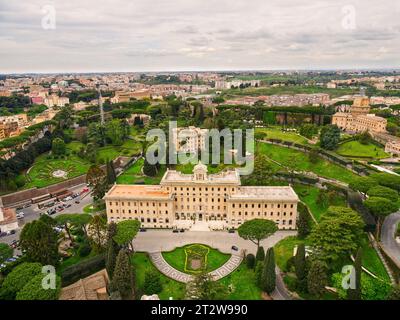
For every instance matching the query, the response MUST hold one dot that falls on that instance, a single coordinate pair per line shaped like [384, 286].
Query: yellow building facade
[209, 198]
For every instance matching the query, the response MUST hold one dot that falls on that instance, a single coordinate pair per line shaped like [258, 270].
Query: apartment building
[202, 197]
[190, 139]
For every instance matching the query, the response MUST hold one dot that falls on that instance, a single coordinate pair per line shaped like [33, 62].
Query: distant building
[212, 198]
[393, 148]
[331, 85]
[54, 100]
[189, 140]
[359, 119]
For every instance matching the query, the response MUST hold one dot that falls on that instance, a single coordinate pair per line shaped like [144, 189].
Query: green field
[277, 133]
[178, 258]
[299, 161]
[309, 195]
[171, 288]
[40, 175]
[354, 149]
[133, 175]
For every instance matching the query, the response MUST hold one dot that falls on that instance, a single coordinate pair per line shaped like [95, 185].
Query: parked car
[143, 230]
[231, 231]
[14, 244]
[27, 205]
[175, 231]
[235, 248]
[182, 230]
[68, 205]
[20, 215]
[10, 232]
[77, 202]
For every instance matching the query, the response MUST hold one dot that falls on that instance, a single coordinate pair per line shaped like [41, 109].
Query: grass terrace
[276, 132]
[355, 149]
[299, 161]
[195, 258]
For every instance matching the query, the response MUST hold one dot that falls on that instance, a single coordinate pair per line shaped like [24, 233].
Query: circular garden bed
[195, 258]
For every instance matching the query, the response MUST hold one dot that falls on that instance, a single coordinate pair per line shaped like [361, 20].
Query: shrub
[84, 249]
[383, 192]
[83, 269]
[34, 290]
[250, 261]
[18, 278]
[152, 283]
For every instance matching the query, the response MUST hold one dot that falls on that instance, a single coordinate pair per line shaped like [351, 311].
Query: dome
[200, 167]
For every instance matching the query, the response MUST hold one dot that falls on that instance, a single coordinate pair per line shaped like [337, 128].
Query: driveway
[166, 240]
[387, 236]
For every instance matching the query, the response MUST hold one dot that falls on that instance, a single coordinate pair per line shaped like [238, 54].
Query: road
[33, 213]
[387, 236]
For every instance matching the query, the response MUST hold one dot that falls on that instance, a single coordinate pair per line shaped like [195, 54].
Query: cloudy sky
[164, 35]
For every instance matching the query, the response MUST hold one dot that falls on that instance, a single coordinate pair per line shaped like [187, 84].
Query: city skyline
[198, 36]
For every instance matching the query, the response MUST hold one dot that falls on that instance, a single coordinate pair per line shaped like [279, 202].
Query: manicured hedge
[83, 269]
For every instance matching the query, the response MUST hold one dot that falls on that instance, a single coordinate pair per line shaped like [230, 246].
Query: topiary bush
[250, 261]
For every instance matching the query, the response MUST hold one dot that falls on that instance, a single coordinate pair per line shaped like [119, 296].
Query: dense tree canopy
[256, 230]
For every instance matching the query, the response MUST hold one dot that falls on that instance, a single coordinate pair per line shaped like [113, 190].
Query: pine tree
[317, 278]
[123, 278]
[112, 250]
[260, 255]
[110, 172]
[149, 169]
[303, 222]
[268, 278]
[300, 262]
[355, 294]
[300, 267]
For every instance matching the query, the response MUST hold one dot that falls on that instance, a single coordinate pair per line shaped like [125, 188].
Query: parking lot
[33, 212]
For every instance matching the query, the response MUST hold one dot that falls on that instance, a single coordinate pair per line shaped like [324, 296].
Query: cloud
[123, 35]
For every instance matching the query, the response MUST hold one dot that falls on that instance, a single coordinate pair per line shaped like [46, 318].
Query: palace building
[214, 199]
[359, 119]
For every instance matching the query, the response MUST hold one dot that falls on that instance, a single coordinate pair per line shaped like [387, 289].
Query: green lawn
[284, 250]
[276, 132]
[299, 161]
[354, 149]
[243, 284]
[40, 175]
[177, 258]
[133, 175]
[371, 261]
[171, 288]
[309, 195]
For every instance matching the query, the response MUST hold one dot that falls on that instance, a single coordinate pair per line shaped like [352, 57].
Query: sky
[182, 35]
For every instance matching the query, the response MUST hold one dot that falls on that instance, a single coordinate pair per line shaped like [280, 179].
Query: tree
[79, 220]
[260, 255]
[110, 172]
[5, 252]
[383, 192]
[58, 147]
[256, 230]
[362, 184]
[39, 242]
[96, 178]
[112, 249]
[308, 130]
[338, 234]
[152, 282]
[380, 208]
[250, 261]
[317, 278]
[387, 180]
[97, 232]
[149, 170]
[18, 278]
[33, 290]
[207, 289]
[123, 278]
[303, 221]
[268, 278]
[126, 232]
[300, 263]
[115, 132]
[329, 137]
[355, 293]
